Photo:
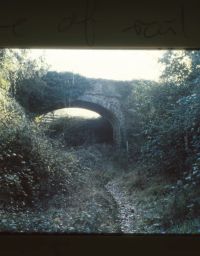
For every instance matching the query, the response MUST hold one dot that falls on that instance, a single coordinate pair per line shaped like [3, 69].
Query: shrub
[31, 168]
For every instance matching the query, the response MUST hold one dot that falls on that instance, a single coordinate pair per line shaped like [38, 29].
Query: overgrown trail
[126, 211]
[123, 214]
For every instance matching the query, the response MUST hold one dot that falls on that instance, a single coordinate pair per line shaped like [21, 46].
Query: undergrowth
[31, 168]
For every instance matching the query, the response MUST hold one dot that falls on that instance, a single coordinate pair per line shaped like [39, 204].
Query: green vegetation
[30, 166]
[53, 175]
[43, 187]
[38, 94]
[164, 169]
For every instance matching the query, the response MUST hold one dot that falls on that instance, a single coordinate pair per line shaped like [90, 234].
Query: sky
[76, 112]
[108, 64]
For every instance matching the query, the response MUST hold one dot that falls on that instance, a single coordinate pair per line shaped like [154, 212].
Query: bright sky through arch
[107, 64]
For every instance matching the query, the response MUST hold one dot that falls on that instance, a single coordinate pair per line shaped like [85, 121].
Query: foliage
[164, 140]
[16, 65]
[177, 66]
[87, 208]
[30, 167]
[161, 172]
[180, 66]
[138, 111]
[42, 94]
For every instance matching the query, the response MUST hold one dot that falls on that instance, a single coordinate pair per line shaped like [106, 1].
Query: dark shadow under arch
[105, 113]
[108, 115]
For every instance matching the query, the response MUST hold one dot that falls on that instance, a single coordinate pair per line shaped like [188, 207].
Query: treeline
[32, 168]
[164, 117]
[164, 139]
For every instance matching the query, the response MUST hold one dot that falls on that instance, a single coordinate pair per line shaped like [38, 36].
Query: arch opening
[107, 117]
[78, 126]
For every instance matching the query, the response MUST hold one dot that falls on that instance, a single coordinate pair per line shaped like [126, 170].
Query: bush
[31, 168]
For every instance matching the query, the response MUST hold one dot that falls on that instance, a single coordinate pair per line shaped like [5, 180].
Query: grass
[87, 208]
[187, 227]
[163, 204]
[45, 188]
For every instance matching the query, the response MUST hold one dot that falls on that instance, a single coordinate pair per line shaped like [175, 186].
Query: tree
[53, 90]
[181, 68]
[15, 66]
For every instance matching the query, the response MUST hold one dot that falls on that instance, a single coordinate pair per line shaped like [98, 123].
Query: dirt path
[126, 212]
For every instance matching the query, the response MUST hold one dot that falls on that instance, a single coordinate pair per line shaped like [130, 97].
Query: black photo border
[187, 30]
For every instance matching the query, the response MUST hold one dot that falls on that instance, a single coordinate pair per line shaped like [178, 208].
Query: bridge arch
[106, 113]
[101, 110]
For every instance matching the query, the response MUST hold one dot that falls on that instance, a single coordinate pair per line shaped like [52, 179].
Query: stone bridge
[102, 97]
